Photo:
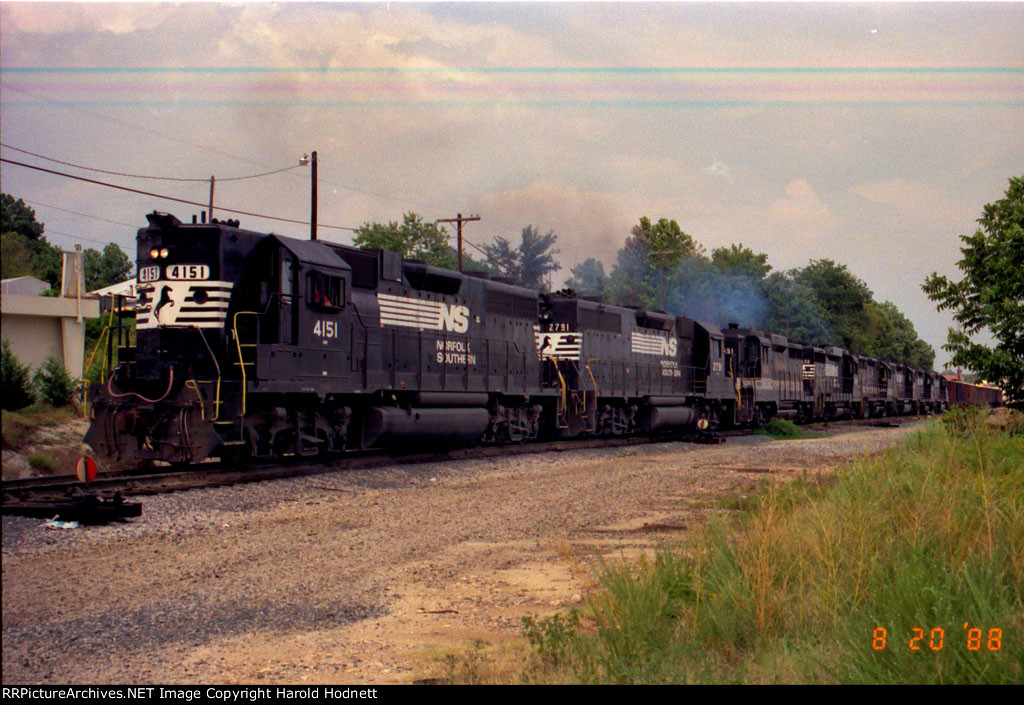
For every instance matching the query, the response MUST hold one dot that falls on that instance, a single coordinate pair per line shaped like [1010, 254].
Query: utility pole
[212, 180]
[311, 161]
[312, 206]
[459, 220]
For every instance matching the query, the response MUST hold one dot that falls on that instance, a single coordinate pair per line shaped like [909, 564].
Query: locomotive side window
[325, 292]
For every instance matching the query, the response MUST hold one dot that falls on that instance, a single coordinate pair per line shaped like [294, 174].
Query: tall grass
[929, 536]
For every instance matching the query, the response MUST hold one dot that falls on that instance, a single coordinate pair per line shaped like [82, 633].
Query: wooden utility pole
[212, 181]
[459, 220]
[312, 207]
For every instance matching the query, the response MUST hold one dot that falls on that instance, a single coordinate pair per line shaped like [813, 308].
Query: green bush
[14, 391]
[40, 461]
[783, 428]
[53, 383]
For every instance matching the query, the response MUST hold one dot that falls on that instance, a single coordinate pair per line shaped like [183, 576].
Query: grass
[783, 429]
[19, 426]
[41, 461]
[926, 537]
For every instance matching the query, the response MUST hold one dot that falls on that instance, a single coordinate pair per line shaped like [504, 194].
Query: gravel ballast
[350, 576]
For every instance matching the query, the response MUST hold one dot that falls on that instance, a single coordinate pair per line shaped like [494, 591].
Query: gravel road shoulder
[352, 577]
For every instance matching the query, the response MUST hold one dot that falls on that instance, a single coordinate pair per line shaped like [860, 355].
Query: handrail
[561, 381]
[191, 384]
[216, 403]
[238, 345]
[592, 381]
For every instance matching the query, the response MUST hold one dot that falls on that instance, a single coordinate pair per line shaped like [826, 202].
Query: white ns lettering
[455, 318]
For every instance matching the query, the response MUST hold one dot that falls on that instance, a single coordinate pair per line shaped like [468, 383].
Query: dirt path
[359, 577]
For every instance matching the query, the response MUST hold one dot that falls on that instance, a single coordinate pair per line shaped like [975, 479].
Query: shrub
[40, 461]
[14, 392]
[53, 382]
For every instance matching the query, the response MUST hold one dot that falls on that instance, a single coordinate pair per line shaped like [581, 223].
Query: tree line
[27, 252]
[661, 267]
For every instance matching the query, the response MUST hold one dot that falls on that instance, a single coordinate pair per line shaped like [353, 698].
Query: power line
[143, 176]
[79, 237]
[84, 215]
[169, 198]
[207, 148]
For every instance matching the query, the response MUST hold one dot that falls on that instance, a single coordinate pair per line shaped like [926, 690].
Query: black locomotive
[260, 345]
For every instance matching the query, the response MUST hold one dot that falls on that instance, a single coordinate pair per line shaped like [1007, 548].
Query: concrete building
[39, 326]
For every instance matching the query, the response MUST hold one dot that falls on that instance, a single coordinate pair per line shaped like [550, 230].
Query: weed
[783, 428]
[41, 461]
[921, 541]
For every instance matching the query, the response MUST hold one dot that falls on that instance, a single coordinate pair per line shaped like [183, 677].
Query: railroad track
[105, 497]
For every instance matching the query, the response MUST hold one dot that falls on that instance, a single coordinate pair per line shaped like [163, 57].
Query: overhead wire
[144, 176]
[84, 215]
[172, 198]
[208, 148]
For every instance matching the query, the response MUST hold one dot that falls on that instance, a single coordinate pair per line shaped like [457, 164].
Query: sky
[871, 134]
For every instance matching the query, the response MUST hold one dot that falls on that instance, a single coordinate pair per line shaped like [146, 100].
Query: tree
[588, 278]
[530, 263]
[842, 298]
[648, 263]
[110, 267]
[536, 257]
[413, 239]
[16, 255]
[53, 383]
[503, 259]
[742, 260]
[16, 217]
[794, 311]
[891, 336]
[990, 297]
[14, 380]
[30, 253]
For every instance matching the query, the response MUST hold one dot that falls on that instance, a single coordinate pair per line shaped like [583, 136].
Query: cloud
[62, 18]
[720, 169]
[801, 213]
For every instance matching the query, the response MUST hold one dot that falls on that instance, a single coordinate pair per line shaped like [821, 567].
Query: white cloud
[800, 213]
[720, 169]
[62, 18]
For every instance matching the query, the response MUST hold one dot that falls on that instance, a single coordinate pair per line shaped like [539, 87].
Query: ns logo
[454, 319]
[669, 346]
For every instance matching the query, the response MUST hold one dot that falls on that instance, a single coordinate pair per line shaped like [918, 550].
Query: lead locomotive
[260, 345]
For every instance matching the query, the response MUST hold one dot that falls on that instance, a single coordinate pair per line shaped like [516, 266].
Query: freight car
[259, 345]
[963, 394]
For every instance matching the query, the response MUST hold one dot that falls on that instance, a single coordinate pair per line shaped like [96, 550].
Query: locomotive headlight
[154, 253]
[164, 252]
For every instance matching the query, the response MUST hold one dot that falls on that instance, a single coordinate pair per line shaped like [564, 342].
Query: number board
[149, 274]
[188, 272]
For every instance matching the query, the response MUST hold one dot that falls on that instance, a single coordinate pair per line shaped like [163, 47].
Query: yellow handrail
[561, 380]
[216, 402]
[238, 344]
[191, 384]
[592, 381]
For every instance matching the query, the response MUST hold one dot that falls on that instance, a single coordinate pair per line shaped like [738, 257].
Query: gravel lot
[362, 576]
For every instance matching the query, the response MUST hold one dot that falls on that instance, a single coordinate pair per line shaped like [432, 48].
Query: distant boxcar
[963, 394]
